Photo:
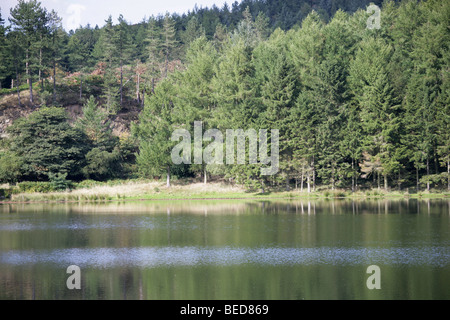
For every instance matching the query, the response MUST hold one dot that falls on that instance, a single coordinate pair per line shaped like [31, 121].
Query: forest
[356, 107]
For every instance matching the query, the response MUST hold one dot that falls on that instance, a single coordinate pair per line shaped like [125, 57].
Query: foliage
[47, 144]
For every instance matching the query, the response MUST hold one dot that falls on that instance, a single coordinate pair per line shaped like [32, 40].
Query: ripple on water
[437, 256]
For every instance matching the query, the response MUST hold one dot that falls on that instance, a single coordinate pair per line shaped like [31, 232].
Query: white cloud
[74, 12]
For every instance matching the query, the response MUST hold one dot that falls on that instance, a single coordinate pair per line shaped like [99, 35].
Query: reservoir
[226, 249]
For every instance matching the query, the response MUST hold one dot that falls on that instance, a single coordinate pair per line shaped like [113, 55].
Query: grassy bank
[154, 190]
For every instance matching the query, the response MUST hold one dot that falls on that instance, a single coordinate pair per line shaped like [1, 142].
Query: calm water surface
[226, 250]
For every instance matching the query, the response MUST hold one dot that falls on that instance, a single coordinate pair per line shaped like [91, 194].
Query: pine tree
[122, 48]
[169, 40]
[194, 30]
[96, 125]
[305, 52]
[3, 50]
[153, 42]
[154, 133]
[373, 92]
[29, 18]
[108, 56]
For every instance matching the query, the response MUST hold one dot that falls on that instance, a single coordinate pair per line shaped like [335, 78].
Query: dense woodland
[356, 107]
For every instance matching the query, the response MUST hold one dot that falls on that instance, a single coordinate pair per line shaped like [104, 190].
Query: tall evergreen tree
[380, 109]
[122, 48]
[30, 19]
[169, 40]
[153, 42]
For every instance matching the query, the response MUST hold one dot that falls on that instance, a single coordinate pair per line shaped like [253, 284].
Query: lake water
[262, 250]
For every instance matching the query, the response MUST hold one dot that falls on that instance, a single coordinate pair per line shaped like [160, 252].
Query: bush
[10, 167]
[87, 184]
[5, 193]
[36, 186]
[59, 181]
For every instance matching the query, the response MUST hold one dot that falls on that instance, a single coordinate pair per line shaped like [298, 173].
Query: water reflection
[199, 256]
[226, 249]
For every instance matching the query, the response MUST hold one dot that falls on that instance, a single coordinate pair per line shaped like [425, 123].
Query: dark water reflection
[226, 249]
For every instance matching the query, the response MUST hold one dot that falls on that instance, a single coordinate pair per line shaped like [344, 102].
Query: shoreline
[155, 191]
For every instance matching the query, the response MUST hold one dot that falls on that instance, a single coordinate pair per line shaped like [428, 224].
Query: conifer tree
[153, 42]
[29, 19]
[169, 40]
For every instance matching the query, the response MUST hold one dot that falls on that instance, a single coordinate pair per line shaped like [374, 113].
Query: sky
[81, 12]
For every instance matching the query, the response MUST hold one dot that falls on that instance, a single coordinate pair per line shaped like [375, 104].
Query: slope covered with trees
[355, 107]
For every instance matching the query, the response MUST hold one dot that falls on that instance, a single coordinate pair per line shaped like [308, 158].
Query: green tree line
[355, 107]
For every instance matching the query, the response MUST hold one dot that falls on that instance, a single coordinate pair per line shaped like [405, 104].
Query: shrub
[87, 184]
[36, 186]
[5, 193]
[59, 181]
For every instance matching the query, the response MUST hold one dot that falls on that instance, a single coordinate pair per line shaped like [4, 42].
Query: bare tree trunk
[448, 174]
[54, 80]
[308, 182]
[138, 84]
[168, 177]
[417, 179]
[205, 175]
[385, 182]
[378, 174]
[302, 178]
[121, 83]
[17, 84]
[428, 173]
[40, 66]
[353, 175]
[166, 64]
[30, 82]
[313, 175]
[288, 188]
[81, 88]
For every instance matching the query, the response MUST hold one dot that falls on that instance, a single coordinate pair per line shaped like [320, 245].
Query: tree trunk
[168, 177]
[167, 64]
[40, 64]
[428, 173]
[121, 83]
[138, 84]
[448, 174]
[302, 178]
[417, 179]
[54, 80]
[353, 175]
[288, 188]
[205, 175]
[308, 182]
[17, 84]
[30, 82]
[81, 88]
[385, 182]
[378, 180]
[313, 175]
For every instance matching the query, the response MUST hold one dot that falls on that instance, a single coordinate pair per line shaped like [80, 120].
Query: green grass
[139, 189]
